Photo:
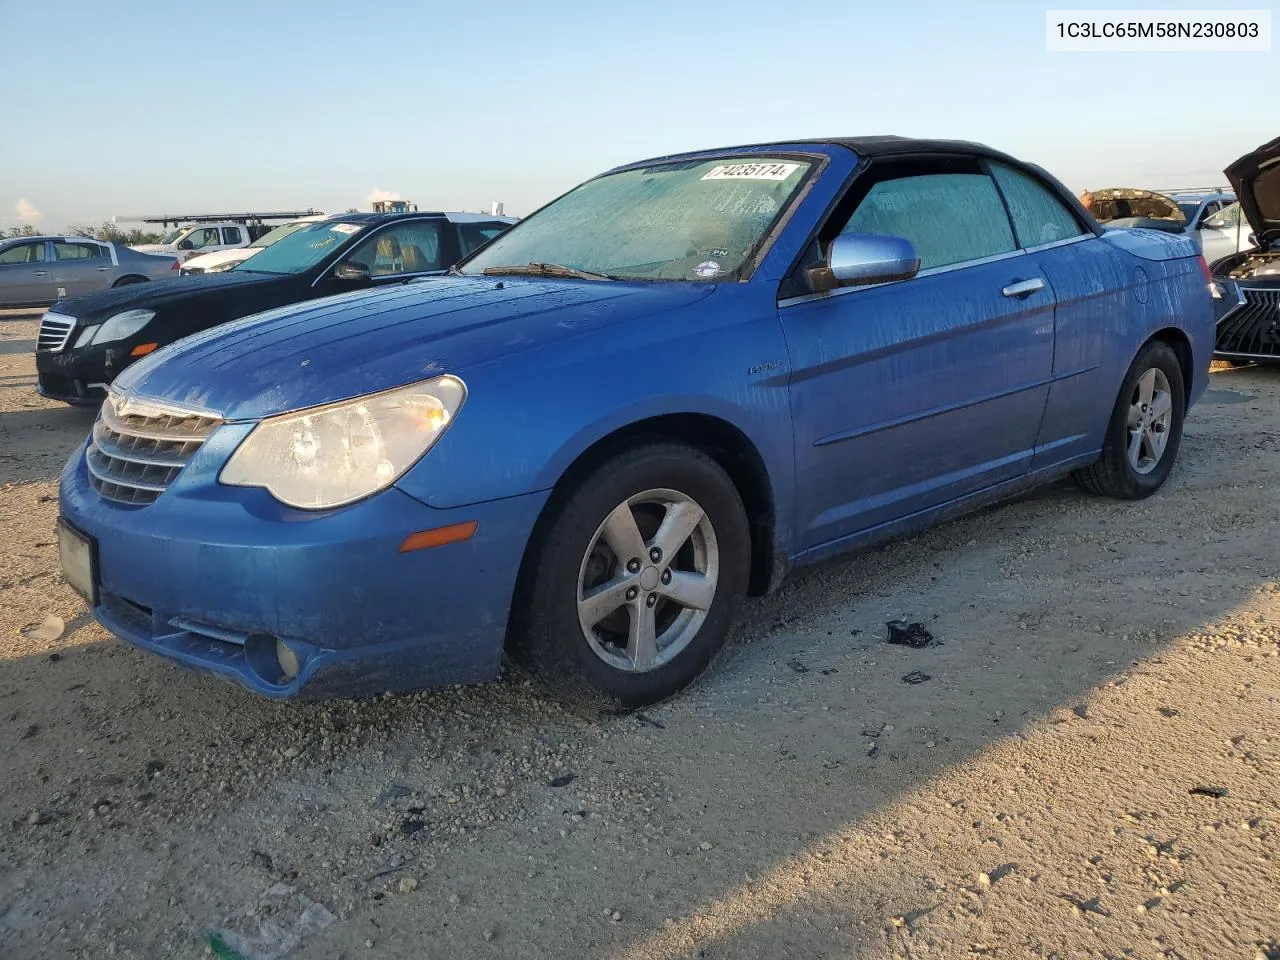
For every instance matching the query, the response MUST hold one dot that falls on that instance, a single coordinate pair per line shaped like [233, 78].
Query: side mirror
[857, 259]
[1253, 239]
[186, 245]
[350, 270]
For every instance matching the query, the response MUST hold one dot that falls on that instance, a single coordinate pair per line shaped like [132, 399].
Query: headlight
[222, 267]
[333, 455]
[119, 327]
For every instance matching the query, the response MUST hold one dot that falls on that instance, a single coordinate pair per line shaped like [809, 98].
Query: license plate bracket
[78, 553]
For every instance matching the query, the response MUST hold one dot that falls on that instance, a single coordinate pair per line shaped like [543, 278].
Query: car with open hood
[655, 395]
[85, 342]
[1195, 213]
[1246, 285]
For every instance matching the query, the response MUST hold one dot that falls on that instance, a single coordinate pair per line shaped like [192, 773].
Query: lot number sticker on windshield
[751, 171]
[344, 228]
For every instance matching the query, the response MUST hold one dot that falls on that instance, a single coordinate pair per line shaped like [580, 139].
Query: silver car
[38, 271]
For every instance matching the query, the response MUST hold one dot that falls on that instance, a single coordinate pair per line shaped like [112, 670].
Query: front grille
[1253, 328]
[55, 331]
[140, 447]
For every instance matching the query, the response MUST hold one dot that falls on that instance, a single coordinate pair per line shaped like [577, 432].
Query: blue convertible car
[657, 394]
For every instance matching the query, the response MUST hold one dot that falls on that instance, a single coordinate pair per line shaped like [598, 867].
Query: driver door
[400, 251]
[911, 394]
[25, 279]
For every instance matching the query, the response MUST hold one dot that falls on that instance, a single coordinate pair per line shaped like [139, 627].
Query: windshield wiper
[535, 269]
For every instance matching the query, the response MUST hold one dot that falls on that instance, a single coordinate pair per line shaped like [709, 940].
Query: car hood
[352, 344]
[1256, 179]
[160, 294]
[1111, 203]
[154, 248]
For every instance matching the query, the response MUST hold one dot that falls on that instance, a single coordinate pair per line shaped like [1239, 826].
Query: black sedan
[85, 342]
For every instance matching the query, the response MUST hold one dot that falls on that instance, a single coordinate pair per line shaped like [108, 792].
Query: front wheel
[632, 588]
[1145, 429]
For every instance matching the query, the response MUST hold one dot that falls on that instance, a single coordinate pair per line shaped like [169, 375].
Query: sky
[140, 107]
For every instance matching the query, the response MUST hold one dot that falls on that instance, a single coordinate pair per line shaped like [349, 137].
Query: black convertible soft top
[890, 146]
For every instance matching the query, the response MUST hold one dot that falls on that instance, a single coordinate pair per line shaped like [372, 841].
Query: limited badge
[707, 269]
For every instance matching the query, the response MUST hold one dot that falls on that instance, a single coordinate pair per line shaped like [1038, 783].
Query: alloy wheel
[647, 580]
[1149, 419]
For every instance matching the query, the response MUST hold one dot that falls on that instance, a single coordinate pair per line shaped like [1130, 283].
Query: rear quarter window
[1038, 215]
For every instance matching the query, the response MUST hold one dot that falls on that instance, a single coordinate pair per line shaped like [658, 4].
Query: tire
[126, 281]
[609, 665]
[1115, 473]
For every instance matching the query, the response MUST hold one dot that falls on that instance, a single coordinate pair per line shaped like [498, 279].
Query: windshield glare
[302, 248]
[279, 233]
[694, 220]
[173, 235]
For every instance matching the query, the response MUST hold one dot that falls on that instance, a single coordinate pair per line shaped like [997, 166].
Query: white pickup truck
[199, 238]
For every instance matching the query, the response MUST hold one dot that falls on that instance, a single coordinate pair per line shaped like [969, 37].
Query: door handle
[1023, 288]
[39, 273]
[104, 269]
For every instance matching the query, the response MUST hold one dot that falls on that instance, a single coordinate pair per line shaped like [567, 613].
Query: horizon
[260, 110]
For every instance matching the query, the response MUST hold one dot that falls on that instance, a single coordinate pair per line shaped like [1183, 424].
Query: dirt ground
[1091, 769]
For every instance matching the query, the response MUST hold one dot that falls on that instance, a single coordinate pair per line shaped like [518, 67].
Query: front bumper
[211, 576]
[80, 376]
[1248, 321]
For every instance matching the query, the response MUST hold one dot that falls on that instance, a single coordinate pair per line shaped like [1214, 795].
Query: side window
[949, 217]
[1038, 216]
[1210, 209]
[64, 250]
[410, 247]
[1226, 218]
[204, 237]
[473, 236]
[230, 235]
[24, 253]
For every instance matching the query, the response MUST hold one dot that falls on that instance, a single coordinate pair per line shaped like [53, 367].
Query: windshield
[695, 220]
[279, 233]
[173, 235]
[301, 249]
[1188, 209]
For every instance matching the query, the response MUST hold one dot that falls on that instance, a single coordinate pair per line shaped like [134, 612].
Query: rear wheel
[1145, 428]
[632, 588]
[126, 281]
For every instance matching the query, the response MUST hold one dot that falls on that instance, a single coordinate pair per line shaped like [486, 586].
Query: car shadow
[9, 347]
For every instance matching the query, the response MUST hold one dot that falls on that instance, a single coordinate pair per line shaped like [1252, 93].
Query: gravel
[144, 805]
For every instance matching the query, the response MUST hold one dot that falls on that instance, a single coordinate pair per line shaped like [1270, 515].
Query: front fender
[652, 408]
[529, 415]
